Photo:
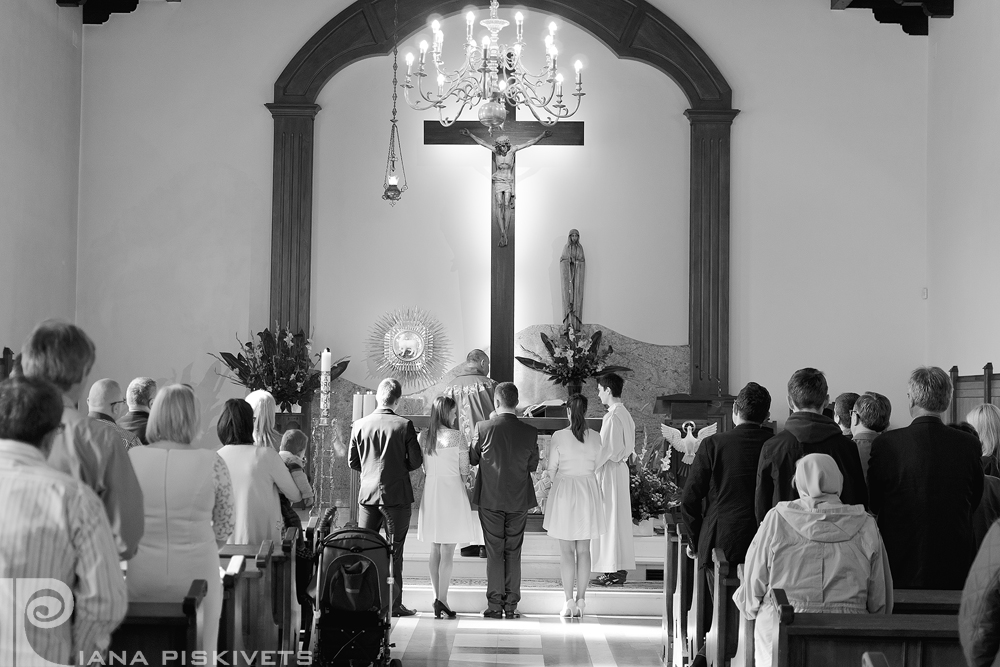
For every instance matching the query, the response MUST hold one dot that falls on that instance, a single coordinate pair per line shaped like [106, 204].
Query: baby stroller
[353, 600]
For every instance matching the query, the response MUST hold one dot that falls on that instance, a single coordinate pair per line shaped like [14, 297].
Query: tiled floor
[532, 641]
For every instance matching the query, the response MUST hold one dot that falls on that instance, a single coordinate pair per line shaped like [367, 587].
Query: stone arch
[632, 29]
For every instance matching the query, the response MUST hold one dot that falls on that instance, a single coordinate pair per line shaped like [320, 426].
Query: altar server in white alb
[613, 553]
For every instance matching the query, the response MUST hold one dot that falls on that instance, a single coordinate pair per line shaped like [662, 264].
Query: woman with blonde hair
[264, 407]
[188, 501]
[985, 418]
[445, 516]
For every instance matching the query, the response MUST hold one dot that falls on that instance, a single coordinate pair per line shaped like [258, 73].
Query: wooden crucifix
[520, 134]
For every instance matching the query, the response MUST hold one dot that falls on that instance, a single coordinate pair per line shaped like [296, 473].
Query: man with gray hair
[106, 403]
[925, 481]
[86, 449]
[139, 398]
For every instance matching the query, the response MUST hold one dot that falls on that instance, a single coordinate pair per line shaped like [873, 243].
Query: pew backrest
[909, 601]
[234, 592]
[157, 630]
[260, 632]
[874, 659]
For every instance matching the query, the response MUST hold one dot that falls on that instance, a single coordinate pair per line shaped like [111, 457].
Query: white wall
[40, 134]
[829, 181]
[964, 200]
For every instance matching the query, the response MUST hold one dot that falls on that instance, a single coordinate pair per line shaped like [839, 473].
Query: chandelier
[493, 74]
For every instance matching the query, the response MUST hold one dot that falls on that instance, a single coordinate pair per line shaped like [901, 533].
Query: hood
[827, 522]
[810, 427]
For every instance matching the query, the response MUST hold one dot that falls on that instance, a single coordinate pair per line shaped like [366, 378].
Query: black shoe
[512, 613]
[492, 613]
[442, 608]
[402, 611]
[471, 551]
[482, 552]
[608, 579]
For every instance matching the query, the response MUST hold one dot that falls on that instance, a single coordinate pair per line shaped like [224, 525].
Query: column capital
[712, 115]
[298, 110]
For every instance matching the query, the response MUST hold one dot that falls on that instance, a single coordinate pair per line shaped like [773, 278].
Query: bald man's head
[479, 358]
[106, 396]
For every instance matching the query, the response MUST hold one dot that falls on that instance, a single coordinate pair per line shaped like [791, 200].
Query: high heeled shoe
[581, 604]
[442, 608]
[569, 609]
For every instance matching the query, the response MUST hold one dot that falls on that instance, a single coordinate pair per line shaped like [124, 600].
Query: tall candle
[369, 404]
[326, 361]
[359, 409]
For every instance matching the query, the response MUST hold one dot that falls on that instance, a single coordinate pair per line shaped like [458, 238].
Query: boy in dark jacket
[807, 431]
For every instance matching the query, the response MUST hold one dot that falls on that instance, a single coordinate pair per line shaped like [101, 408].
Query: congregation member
[869, 417]
[472, 390]
[826, 555]
[86, 449]
[445, 517]
[188, 510]
[926, 480]
[384, 449]
[613, 553]
[257, 474]
[506, 451]
[978, 630]
[52, 527]
[574, 512]
[264, 408]
[807, 431]
[842, 406]
[139, 398]
[985, 419]
[717, 505]
[293, 447]
[106, 403]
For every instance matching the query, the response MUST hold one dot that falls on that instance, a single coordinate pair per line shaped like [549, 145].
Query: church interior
[158, 194]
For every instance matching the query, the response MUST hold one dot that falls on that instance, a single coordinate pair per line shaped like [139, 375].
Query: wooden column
[291, 214]
[708, 324]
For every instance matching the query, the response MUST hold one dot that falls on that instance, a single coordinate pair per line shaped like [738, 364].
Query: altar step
[541, 596]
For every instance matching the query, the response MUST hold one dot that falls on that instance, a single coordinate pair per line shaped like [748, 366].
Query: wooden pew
[874, 659]
[700, 604]
[286, 610]
[829, 640]
[745, 653]
[672, 518]
[260, 631]
[722, 637]
[159, 630]
[234, 596]
[926, 602]
[682, 598]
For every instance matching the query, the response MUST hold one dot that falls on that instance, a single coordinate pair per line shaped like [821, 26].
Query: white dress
[575, 508]
[445, 516]
[615, 549]
[258, 474]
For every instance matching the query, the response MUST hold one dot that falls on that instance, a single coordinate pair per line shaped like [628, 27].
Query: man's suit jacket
[506, 451]
[135, 422]
[384, 450]
[718, 500]
[925, 481]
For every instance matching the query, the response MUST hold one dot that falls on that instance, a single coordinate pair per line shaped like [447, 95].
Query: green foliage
[573, 358]
[281, 363]
[650, 491]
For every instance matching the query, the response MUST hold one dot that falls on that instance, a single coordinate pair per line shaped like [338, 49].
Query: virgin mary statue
[573, 267]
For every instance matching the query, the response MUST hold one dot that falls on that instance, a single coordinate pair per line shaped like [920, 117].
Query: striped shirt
[91, 451]
[54, 527]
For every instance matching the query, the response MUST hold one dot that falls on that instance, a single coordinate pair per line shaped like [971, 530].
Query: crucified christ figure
[503, 177]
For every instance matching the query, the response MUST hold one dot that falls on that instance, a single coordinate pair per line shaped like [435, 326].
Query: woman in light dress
[258, 473]
[445, 516]
[574, 510]
[264, 407]
[188, 498]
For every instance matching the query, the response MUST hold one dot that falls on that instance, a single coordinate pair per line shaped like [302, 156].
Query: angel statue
[685, 445]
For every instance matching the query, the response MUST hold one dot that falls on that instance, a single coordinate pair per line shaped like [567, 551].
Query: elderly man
[925, 482]
[87, 449]
[139, 398]
[105, 402]
[384, 449]
[869, 417]
[54, 535]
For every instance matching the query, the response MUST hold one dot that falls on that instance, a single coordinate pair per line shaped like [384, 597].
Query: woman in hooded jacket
[828, 557]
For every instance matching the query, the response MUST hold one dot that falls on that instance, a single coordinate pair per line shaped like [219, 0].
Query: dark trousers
[503, 533]
[397, 523]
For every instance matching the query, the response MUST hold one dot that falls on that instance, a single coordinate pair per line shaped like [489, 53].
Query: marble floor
[534, 640]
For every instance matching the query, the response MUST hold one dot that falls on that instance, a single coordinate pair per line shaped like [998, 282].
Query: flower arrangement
[573, 358]
[650, 491]
[281, 363]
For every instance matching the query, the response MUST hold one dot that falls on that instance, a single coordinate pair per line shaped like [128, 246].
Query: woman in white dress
[258, 473]
[445, 516]
[188, 497]
[574, 510]
[264, 407]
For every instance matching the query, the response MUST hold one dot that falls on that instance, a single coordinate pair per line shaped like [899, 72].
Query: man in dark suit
[139, 398]
[807, 431]
[384, 450]
[506, 451]
[926, 480]
[717, 504]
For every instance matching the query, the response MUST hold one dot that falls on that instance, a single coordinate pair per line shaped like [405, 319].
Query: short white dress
[445, 516]
[574, 510]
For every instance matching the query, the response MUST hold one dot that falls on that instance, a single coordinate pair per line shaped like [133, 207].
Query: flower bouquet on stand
[650, 492]
[573, 357]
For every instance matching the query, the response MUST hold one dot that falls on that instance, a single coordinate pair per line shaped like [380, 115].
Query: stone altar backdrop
[656, 370]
